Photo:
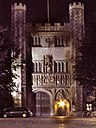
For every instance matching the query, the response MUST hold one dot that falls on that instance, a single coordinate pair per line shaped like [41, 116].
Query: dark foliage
[86, 66]
[6, 83]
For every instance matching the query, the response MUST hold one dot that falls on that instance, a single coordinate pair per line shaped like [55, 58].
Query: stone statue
[48, 63]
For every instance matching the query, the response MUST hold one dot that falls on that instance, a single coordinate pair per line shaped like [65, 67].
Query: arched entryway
[62, 104]
[42, 104]
[62, 108]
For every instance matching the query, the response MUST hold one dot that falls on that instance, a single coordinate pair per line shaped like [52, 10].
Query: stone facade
[49, 59]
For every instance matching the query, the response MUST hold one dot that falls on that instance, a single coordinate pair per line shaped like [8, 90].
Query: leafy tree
[85, 72]
[6, 83]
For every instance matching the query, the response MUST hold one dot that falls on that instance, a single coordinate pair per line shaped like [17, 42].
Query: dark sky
[36, 10]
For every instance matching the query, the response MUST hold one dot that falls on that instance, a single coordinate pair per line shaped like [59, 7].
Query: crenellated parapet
[48, 27]
[76, 5]
[19, 6]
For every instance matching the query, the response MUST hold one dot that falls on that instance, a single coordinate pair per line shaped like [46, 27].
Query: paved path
[52, 122]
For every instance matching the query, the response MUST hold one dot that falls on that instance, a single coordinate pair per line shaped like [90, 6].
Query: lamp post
[89, 109]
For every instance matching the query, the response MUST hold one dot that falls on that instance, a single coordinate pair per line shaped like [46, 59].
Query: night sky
[36, 10]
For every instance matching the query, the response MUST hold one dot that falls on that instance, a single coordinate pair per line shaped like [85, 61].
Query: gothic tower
[47, 50]
[76, 16]
[18, 22]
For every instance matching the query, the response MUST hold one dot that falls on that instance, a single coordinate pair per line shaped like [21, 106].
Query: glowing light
[61, 103]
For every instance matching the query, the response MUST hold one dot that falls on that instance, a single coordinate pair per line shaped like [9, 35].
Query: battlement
[19, 6]
[51, 25]
[55, 24]
[48, 27]
[76, 5]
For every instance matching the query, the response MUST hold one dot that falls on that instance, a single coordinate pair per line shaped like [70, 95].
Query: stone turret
[76, 16]
[18, 22]
[76, 13]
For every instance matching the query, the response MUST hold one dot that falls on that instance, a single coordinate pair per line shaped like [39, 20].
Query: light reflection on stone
[61, 125]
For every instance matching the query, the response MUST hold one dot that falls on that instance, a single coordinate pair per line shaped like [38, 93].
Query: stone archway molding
[66, 91]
